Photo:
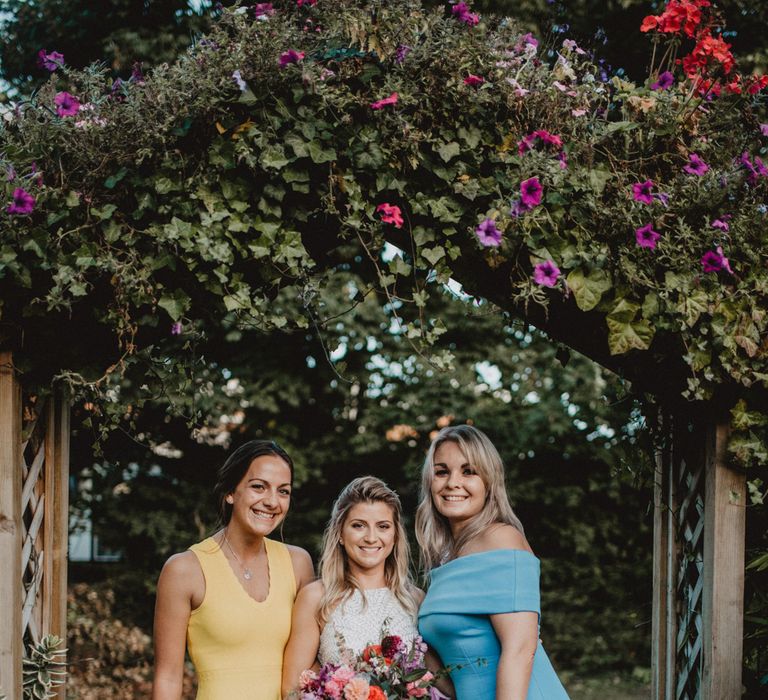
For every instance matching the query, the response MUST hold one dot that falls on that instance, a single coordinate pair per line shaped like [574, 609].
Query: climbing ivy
[297, 139]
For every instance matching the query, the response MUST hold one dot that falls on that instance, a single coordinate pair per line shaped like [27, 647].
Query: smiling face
[261, 499]
[458, 492]
[368, 537]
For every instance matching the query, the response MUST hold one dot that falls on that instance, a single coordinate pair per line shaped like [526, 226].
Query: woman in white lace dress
[365, 590]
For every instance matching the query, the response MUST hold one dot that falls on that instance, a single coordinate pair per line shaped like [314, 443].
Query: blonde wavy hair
[339, 583]
[433, 532]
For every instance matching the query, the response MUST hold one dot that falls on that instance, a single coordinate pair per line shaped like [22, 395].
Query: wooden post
[723, 595]
[664, 618]
[11, 594]
[60, 542]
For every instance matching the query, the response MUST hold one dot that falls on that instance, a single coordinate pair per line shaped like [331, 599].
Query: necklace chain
[247, 573]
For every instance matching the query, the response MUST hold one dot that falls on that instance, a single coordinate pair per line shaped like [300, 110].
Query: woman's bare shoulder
[499, 536]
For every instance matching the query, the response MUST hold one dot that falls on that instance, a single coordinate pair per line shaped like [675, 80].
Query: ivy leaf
[598, 179]
[588, 289]
[449, 150]
[273, 157]
[692, 305]
[112, 180]
[320, 154]
[175, 304]
[433, 255]
[624, 336]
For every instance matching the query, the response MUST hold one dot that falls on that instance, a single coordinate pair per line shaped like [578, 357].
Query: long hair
[338, 581]
[231, 473]
[433, 532]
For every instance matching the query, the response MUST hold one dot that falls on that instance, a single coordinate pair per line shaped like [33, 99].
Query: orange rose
[371, 650]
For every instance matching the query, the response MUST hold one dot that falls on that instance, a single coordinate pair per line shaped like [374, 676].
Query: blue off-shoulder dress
[454, 619]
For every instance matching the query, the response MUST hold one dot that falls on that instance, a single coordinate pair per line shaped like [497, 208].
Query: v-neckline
[240, 583]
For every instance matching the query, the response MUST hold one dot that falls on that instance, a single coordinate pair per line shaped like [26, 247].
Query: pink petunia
[22, 202]
[391, 100]
[473, 80]
[290, 56]
[50, 61]
[641, 192]
[695, 166]
[461, 12]
[390, 214]
[176, 328]
[531, 192]
[715, 261]
[546, 274]
[764, 129]
[646, 237]
[66, 105]
[488, 234]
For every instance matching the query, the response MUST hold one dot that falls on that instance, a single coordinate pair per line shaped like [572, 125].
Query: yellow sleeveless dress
[235, 642]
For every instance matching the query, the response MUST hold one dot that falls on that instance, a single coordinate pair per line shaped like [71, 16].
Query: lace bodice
[355, 626]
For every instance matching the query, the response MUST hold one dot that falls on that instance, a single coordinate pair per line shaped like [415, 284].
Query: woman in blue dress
[481, 612]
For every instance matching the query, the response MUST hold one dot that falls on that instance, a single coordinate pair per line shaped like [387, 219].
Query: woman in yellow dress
[228, 599]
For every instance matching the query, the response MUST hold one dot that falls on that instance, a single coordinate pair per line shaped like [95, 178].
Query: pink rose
[357, 689]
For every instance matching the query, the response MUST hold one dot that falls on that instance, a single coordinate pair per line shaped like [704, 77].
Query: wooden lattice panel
[690, 577]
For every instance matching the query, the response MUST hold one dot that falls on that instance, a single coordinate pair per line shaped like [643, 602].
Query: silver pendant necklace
[247, 574]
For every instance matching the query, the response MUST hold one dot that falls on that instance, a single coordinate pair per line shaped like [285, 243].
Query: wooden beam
[11, 593]
[723, 596]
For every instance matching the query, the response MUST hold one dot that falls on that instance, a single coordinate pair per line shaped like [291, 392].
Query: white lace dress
[352, 626]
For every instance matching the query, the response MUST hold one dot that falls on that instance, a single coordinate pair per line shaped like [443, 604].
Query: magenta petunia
[290, 56]
[263, 10]
[488, 234]
[461, 12]
[641, 191]
[695, 166]
[380, 104]
[50, 61]
[473, 80]
[66, 105]
[176, 328]
[764, 129]
[646, 237]
[721, 224]
[715, 261]
[665, 81]
[390, 214]
[546, 274]
[22, 202]
[531, 192]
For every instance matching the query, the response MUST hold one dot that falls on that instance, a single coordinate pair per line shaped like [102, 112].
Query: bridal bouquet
[391, 670]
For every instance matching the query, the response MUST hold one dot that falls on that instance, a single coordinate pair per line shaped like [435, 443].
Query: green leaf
[273, 157]
[163, 185]
[588, 289]
[112, 180]
[449, 150]
[598, 180]
[73, 199]
[624, 336]
[692, 305]
[175, 304]
[320, 154]
[433, 255]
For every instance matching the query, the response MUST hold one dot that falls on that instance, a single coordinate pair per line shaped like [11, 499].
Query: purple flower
[646, 237]
[66, 105]
[137, 76]
[263, 10]
[764, 129]
[176, 328]
[642, 191]
[563, 160]
[50, 61]
[715, 261]
[665, 81]
[290, 56]
[696, 166]
[402, 52]
[546, 274]
[488, 234]
[238, 78]
[663, 197]
[461, 11]
[531, 192]
[23, 202]
[721, 224]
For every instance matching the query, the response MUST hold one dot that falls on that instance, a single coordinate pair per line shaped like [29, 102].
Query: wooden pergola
[699, 520]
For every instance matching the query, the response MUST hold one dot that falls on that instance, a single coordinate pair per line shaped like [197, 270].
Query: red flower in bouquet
[390, 645]
[376, 693]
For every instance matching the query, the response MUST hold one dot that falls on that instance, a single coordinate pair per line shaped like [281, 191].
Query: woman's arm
[518, 633]
[301, 650]
[181, 585]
